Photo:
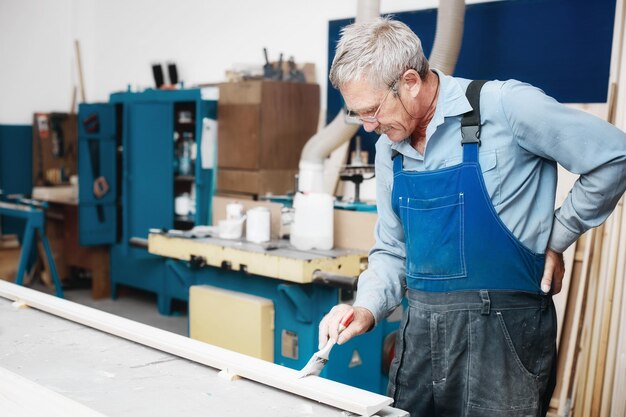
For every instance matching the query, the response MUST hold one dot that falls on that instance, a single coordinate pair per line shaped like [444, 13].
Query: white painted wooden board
[20, 397]
[319, 389]
[120, 378]
[565, 183]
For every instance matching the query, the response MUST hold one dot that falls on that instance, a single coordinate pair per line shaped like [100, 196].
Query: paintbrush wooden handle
[346, 320]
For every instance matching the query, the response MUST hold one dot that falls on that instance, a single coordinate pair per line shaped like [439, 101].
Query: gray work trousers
[475, 354]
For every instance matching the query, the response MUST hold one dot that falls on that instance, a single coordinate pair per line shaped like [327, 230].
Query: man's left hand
[553, 272]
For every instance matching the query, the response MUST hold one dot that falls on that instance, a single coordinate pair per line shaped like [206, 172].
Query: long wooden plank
[319, 389]
[21, 397]
[591, 345]
[606, 307]
[560, 300]
[618, 306]
[567, 361]
[614, 403]
[566, 181]
[618, 405]
[584, 378]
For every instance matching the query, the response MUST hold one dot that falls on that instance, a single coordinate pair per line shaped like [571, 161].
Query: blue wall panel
[561, 46]
[16, 167]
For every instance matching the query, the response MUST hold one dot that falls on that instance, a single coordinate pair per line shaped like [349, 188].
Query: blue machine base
[136, 268]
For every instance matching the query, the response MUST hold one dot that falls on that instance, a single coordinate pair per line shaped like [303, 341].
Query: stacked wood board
[592, 344]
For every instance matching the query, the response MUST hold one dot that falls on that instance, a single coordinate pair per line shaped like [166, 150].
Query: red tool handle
[346, 320]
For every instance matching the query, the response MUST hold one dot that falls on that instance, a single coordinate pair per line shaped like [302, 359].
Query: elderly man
[466, 180]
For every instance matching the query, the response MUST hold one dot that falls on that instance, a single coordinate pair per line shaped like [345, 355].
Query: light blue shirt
[524, 134]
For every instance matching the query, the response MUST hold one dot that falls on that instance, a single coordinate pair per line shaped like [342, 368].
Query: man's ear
[411, 83]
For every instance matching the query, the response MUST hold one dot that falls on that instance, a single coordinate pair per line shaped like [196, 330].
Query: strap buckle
[470, 134]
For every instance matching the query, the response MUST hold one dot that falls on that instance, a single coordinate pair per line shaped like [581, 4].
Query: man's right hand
[329, 326]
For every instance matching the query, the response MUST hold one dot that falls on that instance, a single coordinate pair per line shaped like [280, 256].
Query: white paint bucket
[258, 225]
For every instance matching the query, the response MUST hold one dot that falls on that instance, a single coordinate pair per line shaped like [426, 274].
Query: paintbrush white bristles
[315, 365]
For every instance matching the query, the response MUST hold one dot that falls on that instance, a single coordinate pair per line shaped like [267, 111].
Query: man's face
[380, 109]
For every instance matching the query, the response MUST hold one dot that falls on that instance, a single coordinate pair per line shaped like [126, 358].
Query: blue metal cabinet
[131, 141]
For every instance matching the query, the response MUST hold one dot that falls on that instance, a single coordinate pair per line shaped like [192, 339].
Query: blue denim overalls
[478, 338]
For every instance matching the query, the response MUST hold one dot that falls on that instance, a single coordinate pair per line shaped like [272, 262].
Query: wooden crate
[256, 182]
[263, 125]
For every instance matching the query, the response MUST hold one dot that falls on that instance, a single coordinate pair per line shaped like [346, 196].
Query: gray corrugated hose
[449, 34]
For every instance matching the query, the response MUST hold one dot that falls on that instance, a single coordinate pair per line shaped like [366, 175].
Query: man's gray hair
[378, 51]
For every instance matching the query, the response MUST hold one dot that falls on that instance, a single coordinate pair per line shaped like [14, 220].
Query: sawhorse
[33, 213]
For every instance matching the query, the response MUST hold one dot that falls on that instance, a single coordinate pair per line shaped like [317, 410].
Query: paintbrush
[315, 365]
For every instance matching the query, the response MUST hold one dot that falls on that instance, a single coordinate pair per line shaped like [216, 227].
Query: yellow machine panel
[236, 321]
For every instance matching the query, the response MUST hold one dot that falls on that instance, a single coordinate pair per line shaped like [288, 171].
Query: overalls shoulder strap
[398, 161]
[470, 123]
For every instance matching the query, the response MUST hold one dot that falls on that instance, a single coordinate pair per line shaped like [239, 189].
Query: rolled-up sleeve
[583, 144]
[382, 286]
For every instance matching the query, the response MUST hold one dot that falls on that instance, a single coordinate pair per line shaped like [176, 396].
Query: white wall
[120, 39]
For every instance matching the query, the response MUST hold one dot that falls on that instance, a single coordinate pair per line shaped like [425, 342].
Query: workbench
[120, 378]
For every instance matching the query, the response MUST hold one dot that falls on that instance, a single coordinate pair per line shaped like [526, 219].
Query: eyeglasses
[356, 118]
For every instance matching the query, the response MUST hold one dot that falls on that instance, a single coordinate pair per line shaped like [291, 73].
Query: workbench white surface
[120, 378]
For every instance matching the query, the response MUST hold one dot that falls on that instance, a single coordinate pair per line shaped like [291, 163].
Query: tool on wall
[268, 68]
[172, 72]
[278, 72]
[100, 185]
[159, 76]
[44, 131]
[271, 71]
[294, 74]
[157, 73]
[58, 140]
[91, 124]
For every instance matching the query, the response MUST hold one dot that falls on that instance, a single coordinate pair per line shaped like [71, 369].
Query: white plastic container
[182, 204]
[258, 225]
[312, 226]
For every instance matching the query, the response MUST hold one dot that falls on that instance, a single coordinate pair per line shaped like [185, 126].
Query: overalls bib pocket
[434, 236]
